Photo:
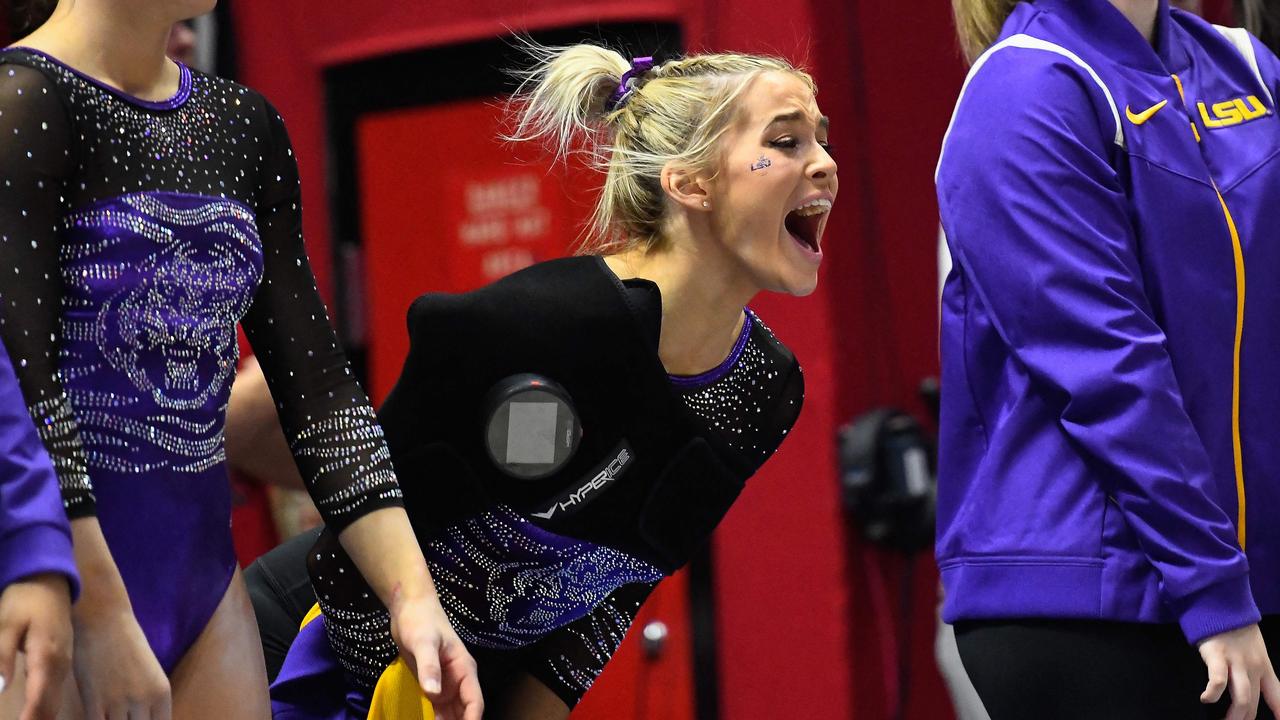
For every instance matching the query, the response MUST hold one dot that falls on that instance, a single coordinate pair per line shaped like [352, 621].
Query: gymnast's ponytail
[631, 118]
[978, 23]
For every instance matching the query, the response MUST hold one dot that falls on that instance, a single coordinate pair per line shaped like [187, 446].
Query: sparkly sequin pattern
[57, 428]
[561, 604]
[134, 234]
[505, 582]
[153, 285]
[737, 404]
[348, 444]
[167, 222]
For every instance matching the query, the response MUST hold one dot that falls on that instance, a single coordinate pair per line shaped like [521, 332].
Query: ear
[685, 188]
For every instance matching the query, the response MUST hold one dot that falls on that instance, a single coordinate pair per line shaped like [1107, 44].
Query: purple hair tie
[639, 66]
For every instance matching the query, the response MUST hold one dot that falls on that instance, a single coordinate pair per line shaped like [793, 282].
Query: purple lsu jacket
[34, 534]
[1110, 437]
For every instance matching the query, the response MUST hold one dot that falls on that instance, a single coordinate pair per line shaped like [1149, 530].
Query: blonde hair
[978, 23]
[675, 112]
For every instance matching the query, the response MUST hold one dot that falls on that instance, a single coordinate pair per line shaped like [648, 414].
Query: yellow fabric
[312, 614]
[399, 697]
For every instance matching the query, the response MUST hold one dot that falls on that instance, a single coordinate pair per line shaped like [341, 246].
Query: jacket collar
[1107, 29]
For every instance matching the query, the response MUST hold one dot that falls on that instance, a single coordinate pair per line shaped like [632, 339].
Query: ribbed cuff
[35, 550]
[1223, 606]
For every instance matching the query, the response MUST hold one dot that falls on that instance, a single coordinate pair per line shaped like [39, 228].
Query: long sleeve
[35, 537]
[569, 660]
[1040, 229]
[34, 160]
[327, 418]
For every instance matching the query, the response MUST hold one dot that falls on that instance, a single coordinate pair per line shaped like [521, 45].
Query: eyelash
[791, 143]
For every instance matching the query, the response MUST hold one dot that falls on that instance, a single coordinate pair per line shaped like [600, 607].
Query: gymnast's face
[771, 198]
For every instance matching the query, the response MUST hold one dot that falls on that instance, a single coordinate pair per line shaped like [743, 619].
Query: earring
[706, 204]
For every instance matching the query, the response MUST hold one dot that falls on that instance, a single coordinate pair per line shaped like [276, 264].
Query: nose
[824, 166]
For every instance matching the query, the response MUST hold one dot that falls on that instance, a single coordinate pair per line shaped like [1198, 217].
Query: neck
[703, 293]
[1142, 13]
[121, 43]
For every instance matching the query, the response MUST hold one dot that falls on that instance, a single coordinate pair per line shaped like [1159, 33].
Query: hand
[437, 657]
[1239, 657]
[35, 617]
[118, 675]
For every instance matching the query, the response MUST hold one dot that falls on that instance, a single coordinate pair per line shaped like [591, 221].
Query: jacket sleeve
[35, 536]
[1040, 226]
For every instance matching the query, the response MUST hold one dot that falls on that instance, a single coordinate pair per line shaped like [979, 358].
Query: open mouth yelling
[805, 223]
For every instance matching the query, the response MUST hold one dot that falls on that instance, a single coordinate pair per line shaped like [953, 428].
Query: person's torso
[160, 257]
[508, 578]
[1197, 150]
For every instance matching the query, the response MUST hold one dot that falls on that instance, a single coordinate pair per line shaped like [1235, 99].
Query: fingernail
[433, 686]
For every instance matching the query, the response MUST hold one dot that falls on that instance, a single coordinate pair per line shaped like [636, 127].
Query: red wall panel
[904, 71]
[447, 207]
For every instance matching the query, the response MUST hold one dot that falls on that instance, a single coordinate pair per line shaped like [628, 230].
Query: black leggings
[1091, 670]
[281, 593]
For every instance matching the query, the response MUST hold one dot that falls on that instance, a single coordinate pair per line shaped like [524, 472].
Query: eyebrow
[823, 122]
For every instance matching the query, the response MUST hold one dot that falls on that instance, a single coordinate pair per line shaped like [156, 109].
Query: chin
[796, 286]
[807, 290]
[803, 289]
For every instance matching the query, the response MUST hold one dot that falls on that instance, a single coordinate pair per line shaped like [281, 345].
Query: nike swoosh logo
[1145, 115]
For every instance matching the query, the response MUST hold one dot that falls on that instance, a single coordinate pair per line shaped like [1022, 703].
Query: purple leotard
[138, 234]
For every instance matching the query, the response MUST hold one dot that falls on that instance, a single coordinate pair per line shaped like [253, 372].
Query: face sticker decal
[760, 164]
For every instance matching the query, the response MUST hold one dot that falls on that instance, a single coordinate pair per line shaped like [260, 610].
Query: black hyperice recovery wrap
[570, 320]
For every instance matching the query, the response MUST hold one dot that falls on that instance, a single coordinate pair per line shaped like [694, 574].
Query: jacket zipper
[1238, 256]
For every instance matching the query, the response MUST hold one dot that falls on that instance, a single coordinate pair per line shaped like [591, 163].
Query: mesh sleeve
[35, 159]
[331, 428]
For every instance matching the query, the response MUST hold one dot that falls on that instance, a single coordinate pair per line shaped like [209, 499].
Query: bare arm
[255, 441]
